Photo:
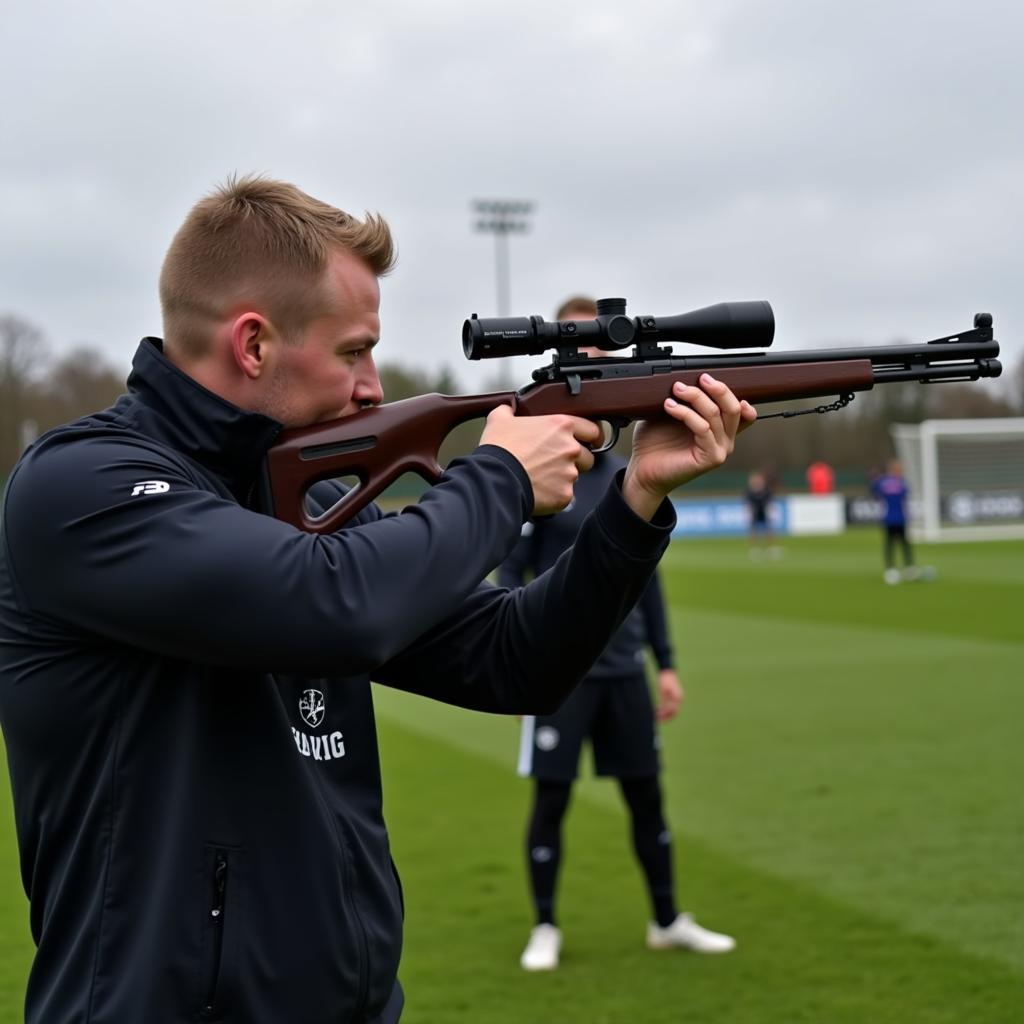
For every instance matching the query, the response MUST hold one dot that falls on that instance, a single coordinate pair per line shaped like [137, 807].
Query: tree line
[40, 390]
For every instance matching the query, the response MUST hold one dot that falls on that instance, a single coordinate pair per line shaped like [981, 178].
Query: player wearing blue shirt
[892, 490]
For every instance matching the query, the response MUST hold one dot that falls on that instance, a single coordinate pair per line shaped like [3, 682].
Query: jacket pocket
[220, 930]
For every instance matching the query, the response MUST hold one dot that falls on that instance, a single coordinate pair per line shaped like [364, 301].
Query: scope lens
[492, 337]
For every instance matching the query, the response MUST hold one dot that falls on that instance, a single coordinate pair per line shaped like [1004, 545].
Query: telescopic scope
[725, 325]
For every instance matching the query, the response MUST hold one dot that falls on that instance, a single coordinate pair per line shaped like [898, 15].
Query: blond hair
[577, 304]
[260, 240]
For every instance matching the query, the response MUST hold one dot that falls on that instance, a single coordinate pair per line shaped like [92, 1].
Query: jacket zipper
[220, 882]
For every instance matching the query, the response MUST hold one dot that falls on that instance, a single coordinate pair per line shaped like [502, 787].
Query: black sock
[544, 844]
[652, 843]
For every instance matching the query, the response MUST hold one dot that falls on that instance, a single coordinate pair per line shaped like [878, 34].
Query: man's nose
[368, 390]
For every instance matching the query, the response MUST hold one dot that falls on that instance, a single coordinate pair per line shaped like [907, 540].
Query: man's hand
[700, 435]
[670, 695]
[550, 448]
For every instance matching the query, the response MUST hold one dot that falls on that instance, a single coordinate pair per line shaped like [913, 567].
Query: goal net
[966, 477]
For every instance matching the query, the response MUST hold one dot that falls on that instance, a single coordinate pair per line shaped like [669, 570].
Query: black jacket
[541, 545]
[185, 699]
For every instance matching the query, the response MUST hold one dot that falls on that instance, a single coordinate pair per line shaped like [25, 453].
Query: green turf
[15, 944]
[803, 956]
[843, 785]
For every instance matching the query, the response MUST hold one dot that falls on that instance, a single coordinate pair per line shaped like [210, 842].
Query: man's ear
[253, 341]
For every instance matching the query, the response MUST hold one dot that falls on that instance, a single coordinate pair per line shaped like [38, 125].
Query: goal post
[966, 477]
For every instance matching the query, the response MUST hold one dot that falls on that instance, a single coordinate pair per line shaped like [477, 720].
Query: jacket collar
[180, 412]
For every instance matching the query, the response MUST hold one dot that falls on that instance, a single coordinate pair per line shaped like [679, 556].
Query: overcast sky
[858, 164]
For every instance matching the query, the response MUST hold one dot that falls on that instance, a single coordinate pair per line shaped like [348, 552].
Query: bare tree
[23, 355]
[80, 381]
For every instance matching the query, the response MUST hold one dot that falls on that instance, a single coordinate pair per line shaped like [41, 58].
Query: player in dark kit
[759, 498]
[612, 709]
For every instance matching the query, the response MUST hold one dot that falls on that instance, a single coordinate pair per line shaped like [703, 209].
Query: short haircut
[256, 239]
[577, 304]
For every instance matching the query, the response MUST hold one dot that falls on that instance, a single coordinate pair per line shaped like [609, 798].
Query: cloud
[857, 165]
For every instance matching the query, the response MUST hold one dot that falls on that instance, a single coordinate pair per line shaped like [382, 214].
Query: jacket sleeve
[652, 608]
[521, 562]
[183, 572]
[522, 651]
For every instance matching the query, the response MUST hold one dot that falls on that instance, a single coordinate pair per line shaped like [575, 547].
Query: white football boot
[541, 953]
[685, 933]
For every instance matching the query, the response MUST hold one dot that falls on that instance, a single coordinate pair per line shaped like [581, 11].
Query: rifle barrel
[891, 362]
[879, 355]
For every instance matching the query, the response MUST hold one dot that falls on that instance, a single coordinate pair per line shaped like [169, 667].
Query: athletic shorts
[616, 715]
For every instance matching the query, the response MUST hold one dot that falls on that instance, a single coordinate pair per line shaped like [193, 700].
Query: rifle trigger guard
[613, 439]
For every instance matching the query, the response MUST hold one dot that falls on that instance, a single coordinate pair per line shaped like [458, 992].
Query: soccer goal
[967, 477]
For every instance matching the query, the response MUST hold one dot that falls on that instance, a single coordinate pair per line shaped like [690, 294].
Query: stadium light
[502, 217]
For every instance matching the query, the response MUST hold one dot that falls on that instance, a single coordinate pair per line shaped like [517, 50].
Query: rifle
[378, 445]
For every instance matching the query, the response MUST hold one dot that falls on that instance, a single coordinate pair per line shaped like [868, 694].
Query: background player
[613, 710]
[892, 490]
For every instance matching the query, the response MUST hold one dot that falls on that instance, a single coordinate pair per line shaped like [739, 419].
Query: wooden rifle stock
[379, 445]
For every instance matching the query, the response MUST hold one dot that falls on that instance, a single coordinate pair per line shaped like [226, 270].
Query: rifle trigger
[573, 380]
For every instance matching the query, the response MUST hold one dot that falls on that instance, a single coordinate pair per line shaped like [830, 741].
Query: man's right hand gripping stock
[697, 434]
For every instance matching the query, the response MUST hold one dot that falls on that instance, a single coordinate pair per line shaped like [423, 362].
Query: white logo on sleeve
[150, 487]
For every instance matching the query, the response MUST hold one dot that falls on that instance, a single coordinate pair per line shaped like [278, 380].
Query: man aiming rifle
[184, 680]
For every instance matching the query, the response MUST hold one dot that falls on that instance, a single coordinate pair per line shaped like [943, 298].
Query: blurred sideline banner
[816, 513]
[730, 517]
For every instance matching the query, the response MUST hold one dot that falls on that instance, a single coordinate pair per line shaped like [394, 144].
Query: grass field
[844, 785]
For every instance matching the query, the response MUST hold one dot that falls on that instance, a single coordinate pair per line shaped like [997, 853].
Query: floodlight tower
[502, 217]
